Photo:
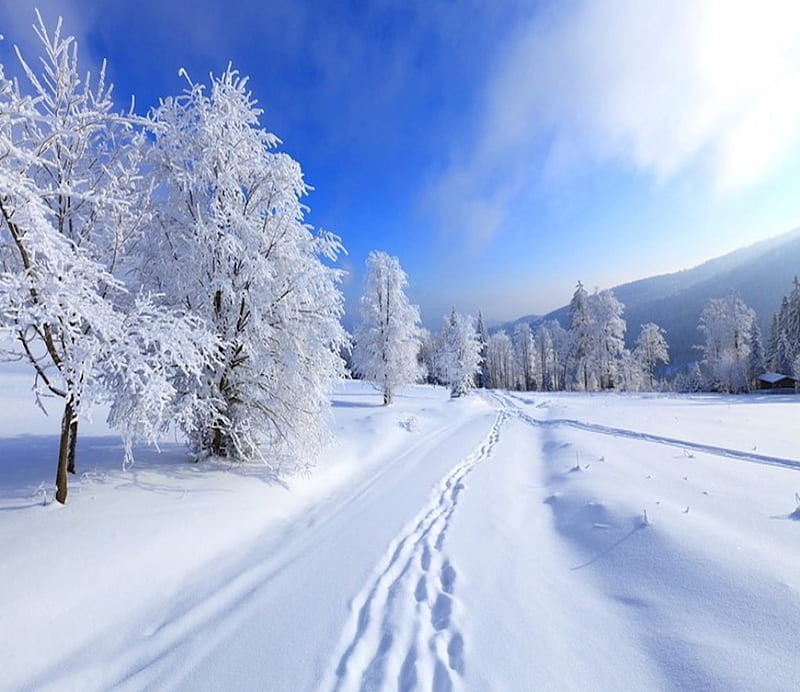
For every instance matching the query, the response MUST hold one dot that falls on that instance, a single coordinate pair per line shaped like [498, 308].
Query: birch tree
[607, 341]
[727, 324]
[651, 349]
[228, 243]
[503, 372]
[71, 192]
[388, 339]
[460, 358]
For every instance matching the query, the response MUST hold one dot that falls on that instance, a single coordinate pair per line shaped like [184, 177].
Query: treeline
[392, 349]
[588, 355]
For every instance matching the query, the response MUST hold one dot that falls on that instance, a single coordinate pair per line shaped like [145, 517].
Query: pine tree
[756, 360]
[783, 345]
[388, 338]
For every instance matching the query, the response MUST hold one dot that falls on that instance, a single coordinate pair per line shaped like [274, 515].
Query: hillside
[761, 274]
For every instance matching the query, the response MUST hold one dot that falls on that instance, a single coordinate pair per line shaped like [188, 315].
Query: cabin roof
[773, 377]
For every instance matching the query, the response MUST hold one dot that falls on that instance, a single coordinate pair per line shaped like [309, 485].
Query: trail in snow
[510, 401]
[403, 628]
[269, 557]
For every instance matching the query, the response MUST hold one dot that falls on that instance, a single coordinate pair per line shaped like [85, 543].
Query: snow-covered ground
[500, 542]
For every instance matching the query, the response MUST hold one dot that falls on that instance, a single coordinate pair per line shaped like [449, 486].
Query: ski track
[510, 401]
[403, 633]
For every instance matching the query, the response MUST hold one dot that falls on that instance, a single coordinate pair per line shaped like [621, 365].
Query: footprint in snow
[441, 611]
[425, 560]
[448, 577]
[421, 592]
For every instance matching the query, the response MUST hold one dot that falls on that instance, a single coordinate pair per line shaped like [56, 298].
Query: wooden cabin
[776, 382]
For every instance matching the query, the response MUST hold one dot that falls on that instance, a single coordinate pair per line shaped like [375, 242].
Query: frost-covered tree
[483, 337]
[503, 373]
[525, 356]
[630, 374]
[783, 346]
[71, 196]
[427, 356]
[779, 351]
[651, 349]
[559, 358]
[597, 339]
[756, 361]
[459, 357]
[228, 243]
[388, 339]
[544, 353]
[581, 333]
[727, 324]
[607, 341]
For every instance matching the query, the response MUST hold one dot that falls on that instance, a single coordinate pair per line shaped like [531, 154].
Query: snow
[497, 541]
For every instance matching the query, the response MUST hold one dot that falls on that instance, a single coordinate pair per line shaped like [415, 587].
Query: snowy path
[564, 587]
[402, 627]
[499, 542]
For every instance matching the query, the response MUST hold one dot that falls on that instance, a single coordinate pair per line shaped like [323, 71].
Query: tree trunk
[216, 441]
[63, 453]
[73, 440]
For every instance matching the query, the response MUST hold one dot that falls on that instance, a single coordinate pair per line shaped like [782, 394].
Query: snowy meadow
[498, 541]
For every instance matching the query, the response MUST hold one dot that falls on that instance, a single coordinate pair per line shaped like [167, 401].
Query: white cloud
[657, 86]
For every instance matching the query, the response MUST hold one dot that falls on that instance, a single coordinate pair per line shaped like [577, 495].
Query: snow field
[707, 586]
[493, 542]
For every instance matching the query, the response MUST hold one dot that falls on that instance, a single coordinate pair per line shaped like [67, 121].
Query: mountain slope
[761, 274]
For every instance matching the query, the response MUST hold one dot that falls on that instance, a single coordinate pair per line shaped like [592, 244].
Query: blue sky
[503, 150]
